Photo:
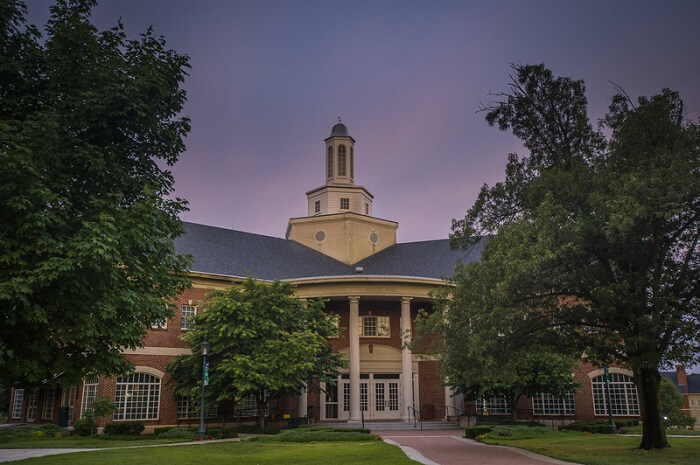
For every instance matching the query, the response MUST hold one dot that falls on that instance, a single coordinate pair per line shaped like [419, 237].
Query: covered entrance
[380, 397]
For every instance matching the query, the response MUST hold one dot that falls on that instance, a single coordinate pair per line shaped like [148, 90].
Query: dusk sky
[269, 79]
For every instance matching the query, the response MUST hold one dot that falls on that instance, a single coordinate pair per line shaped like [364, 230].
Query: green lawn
[679, 432]
[79, 442]
[601, 449]
[246, 452]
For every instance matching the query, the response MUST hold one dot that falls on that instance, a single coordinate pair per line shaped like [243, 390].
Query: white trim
[157, 351]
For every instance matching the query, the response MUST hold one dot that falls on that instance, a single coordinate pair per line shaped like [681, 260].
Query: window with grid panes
[17, 403]
[137, 397]
[49, 401]
[89, 394]
[623, 395]
[374, 326]
[188, 311]
[329, 167]
[188, 409]
[492, 406]
[32, 404]
[344, 204]
[248, 407]
[547, 404]
[342, 170]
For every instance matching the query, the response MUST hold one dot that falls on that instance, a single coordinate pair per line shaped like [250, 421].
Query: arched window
[137, 397]
[352, 163]
[329, 164]
[342, 170]
[623, 395]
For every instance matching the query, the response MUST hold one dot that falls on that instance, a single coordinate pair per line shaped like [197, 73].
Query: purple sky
[269, 79]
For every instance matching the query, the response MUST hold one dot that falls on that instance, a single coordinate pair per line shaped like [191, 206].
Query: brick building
[340, 252]
[689, 387]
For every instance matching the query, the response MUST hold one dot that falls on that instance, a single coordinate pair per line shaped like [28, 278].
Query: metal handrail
[458, 412]
[420, 417]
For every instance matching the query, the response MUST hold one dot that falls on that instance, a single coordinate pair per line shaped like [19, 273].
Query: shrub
[474, 431]
[589, 427]
[180, 432]
[531, 423]
[38, 434]
[626, 423]
[125, 428]
[316, 435]
[83, 427]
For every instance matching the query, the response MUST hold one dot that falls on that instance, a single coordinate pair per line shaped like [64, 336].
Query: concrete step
[397, 425]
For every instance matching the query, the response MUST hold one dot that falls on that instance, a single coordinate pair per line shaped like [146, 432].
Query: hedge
[125, 428]
[600, 427]
[474, 431]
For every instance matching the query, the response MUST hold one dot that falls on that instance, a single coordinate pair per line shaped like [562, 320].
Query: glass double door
[380, 397]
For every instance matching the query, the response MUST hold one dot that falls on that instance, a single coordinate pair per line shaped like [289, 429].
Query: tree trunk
[260, 398]
[653, 431]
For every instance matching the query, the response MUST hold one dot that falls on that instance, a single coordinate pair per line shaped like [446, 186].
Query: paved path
[9, 455]
[448, 447]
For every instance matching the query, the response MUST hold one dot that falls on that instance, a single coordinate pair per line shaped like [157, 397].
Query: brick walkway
[448, 447]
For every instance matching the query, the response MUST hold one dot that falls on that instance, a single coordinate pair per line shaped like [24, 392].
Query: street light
[606, 371]
[205, 381]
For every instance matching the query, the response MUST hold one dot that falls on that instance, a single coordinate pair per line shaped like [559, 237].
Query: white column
[303, 403]
[354, 359]
[449, 403]
[406, 358]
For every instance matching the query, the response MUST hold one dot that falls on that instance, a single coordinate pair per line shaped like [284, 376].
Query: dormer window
[345, 204]
[329, 168]
[342, 169]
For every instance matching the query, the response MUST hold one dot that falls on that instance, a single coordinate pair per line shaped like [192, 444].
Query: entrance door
[68, 400]
[386, 397]
[331, 407]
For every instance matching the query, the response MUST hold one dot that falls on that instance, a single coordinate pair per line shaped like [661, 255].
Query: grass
[672, 431]
[260, 453]
[81, 442]
[596, 449]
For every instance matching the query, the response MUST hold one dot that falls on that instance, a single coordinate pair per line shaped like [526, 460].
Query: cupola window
[342, 169]
[329, 167]
[352, 162]
[345, 204]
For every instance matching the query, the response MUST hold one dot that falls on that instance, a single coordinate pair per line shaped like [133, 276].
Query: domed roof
[339, 130]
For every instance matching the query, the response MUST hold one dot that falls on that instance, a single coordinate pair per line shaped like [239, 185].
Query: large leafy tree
[265, 342]
[88, 119]
[477, 358]
[593, 239]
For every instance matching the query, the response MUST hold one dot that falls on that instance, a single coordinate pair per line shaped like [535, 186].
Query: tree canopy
[264, 342]
[592, 239]
[89, 120]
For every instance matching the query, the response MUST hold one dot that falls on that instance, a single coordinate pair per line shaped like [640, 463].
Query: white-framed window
[188, 409]
[374, 326]
[89, 394]
[345, 203]
[159, 324]
[49, 402]
[492, 406]
[17, 402]
[548, 404]
[248, 407]
[352, 162]
[188, 311]
[317, 206]
[137, 397]
[623, 395]
[32, 404]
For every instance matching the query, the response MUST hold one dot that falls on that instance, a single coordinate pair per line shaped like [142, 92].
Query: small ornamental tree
[88, 121]
[264, 341]
[594, 241]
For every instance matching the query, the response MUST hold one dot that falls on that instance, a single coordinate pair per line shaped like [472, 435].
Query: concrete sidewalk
[448, 447]
[10, 455]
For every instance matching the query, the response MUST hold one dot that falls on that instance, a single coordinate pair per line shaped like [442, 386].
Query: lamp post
[205, 381]
[607, 397]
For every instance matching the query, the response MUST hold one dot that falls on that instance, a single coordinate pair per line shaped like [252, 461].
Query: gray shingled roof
[235, 253]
